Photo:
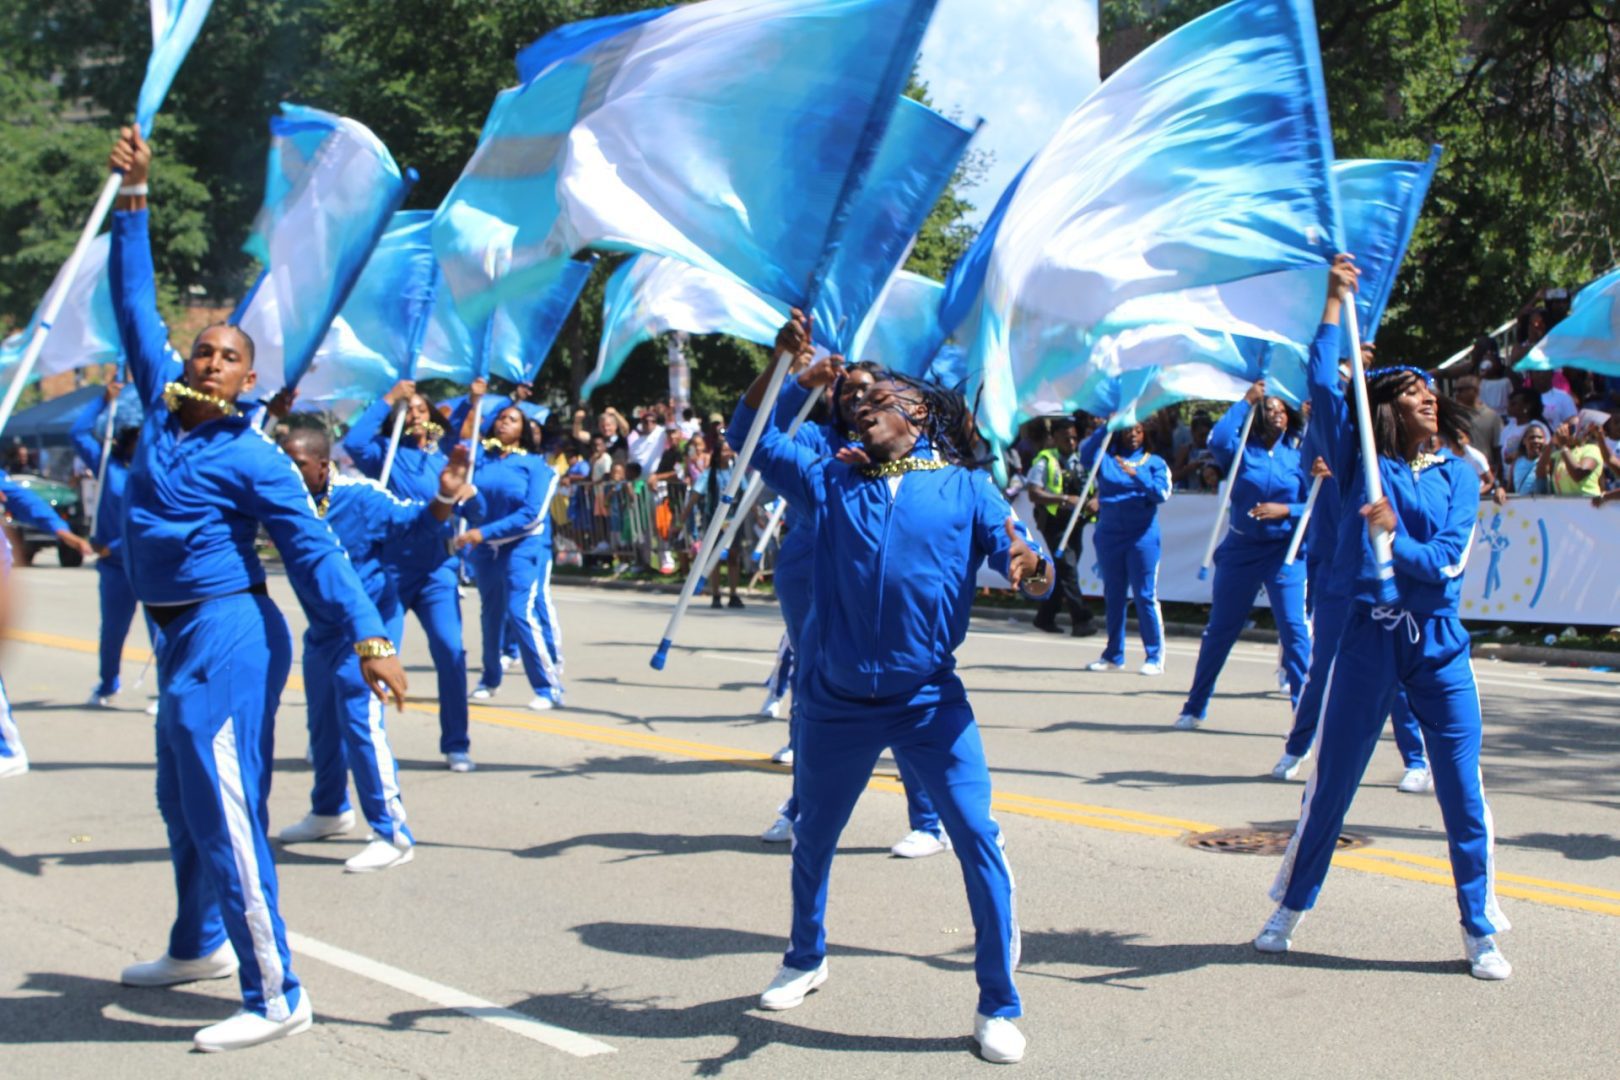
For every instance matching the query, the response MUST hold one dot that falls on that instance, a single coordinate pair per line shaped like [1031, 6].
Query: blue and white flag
[84, 332]
[330, 192]
[915, 161]
[1381, 202]
[1200, 168]
[175, 24]
[525, 329]
[733, 134]
[1588, 337]
[651, 295]
[903, 333]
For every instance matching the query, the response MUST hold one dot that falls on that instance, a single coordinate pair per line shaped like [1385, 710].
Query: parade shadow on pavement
[1579, 847]
[637, 845]
[34, 865]
[74, 1009]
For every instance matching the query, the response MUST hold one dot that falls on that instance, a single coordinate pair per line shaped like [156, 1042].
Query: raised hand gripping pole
[1226, 492]
[711, 533]
[1085, 493]
[400, 409]
[751, 498]
[57, 297]
[1383, 543]
[1304, 520]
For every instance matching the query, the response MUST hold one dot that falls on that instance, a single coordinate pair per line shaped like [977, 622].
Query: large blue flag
[1588, 337]
[175, 24]
[1202, 168]
[526, 328]
[733, 134]
[1381, 202]
[331, 190]
[902, 333]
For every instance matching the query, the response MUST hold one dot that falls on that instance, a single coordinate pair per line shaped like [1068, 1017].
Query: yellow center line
[1402, 865]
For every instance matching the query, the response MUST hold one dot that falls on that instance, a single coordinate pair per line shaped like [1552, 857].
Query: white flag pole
[106, 456]
[1383, 543]
[400, 409]
[57, 297]
[711, 534]
[1085, 493]
[1226, 491]
[1304, 520]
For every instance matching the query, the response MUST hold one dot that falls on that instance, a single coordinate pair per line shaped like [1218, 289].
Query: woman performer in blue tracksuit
[901, 527]
[795, 563]
[117, 597]
[1131, 486]
[511, 554]
[201, 485]
[420, 565]
[1268, 491]
[1417, 643]
[346, 729]
[24, 508]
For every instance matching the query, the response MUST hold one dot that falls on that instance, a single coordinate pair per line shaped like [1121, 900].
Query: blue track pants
[117, 612]
[221, 668]
[1328, 613]
[832, 764]
[346, 734]
[514, 583]
[1382, 650]
[432, 598]
[1242, 567]
[1130, 568]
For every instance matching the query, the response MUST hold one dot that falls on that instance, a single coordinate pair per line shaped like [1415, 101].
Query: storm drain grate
[1258, 841]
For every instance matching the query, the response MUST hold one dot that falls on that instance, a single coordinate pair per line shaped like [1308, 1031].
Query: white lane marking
[569, 1042]
[734, 658]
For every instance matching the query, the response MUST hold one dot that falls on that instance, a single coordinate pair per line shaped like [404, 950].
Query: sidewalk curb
[1482, 650]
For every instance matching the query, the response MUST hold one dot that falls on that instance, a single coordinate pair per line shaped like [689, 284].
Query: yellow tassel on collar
[176, 392]
[495, 446]
[901, 466]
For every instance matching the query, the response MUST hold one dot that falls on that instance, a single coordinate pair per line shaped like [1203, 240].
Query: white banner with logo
[1538, 560]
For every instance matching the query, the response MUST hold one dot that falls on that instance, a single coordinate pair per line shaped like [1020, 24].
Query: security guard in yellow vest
[1048, 483]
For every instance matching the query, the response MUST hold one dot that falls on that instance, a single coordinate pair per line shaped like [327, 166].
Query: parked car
[27, 542]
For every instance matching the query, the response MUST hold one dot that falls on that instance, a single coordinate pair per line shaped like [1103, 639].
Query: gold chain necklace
[429, 431]
[1423, 461]
[324, 505]
[901, 466]
[495, 446]
[176, 392]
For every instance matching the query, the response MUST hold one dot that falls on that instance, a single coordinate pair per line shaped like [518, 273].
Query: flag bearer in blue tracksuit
[901, 527]
[24, 508]
[1131, 486]
[117, 597]
[346, 731]
[795, 563]
[202, 483]
[1416, 644]
[1268, 492]
[511, 557]
[420, 564]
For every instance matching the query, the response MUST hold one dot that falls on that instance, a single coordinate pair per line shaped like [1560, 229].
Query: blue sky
[1023, 65]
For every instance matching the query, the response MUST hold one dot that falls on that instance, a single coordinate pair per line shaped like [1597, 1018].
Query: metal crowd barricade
[634, 527]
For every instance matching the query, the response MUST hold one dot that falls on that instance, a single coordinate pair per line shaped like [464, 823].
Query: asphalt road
[594, 901]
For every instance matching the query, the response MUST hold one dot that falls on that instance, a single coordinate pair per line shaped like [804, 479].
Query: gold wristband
[375, 649]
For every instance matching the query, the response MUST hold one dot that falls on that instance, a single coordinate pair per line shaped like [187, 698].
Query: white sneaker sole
[783, 1004]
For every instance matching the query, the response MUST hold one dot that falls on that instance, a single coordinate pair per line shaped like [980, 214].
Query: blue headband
[1378, 373]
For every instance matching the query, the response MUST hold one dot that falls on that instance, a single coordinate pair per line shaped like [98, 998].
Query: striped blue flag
[84, 332]
[526, 328]
[1588, 337]
[175, 24]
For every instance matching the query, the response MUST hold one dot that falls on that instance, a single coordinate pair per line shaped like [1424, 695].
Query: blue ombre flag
[903, 332]
[330, 193]
[1588, 337]
[84, 332]
[175, 24]
[1200, 168]
[525, 330]
[732, 134]
[916, 159]
[651, 295]
[1381, 202]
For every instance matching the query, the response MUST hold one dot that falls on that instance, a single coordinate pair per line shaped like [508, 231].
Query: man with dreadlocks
[1417, 644]
[901, 526]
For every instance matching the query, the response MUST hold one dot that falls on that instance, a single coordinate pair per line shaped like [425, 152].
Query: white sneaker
[1282, 681]
[1104, 665]
[919, 845]
[15, 765]
[1152, 667]
[507, 662]
[783, 756]
[481, 693]
[459, 761]
[542, 703]
[1277, 936]
[1289, 765]
[780, 832]
[1485, 960]
[790, 986]
[772, 708]
[151, 710]
[1188, 722]
[102, 701]
[1000, 1041]
[1417, 781]
[380, 854]
[317, 827]
[167, 971]
[247, 1029]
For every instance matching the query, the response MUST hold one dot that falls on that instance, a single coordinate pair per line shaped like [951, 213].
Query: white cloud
[1023, 65]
